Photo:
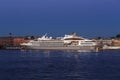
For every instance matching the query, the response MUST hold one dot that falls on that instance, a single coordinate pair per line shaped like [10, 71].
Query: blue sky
[89, 18]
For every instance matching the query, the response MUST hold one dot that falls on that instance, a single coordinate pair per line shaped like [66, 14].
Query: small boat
[105, 47]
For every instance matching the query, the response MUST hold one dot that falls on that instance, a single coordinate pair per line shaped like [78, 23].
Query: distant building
[111, 42]
[11, 41]
[115, 42]
[18, 40]
[6, 41]
[102, 42]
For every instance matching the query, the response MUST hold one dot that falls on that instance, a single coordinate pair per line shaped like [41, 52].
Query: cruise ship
[68, 42]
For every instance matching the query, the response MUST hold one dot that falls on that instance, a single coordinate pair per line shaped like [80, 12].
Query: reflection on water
[59, 65]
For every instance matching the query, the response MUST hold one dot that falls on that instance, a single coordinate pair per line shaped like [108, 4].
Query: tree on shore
[118, 36]
[112, 37]
[99, 37]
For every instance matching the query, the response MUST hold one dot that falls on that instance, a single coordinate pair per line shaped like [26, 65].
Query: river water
[59, 65]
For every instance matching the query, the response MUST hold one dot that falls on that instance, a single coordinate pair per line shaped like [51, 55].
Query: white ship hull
[62, 48]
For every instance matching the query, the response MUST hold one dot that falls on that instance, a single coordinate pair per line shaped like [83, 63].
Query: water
[58, 65]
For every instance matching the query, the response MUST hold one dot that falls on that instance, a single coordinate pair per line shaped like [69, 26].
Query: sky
[89, 18]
